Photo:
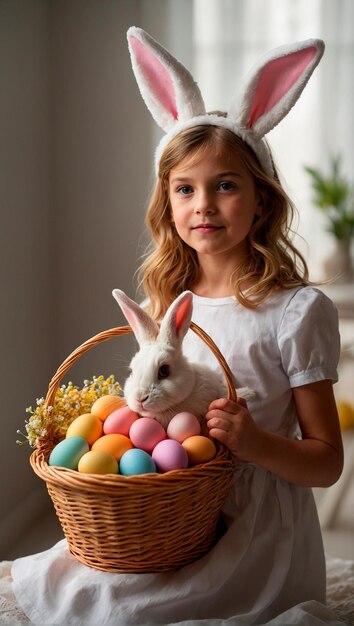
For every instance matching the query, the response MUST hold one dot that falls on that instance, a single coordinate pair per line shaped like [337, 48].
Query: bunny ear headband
[175, 102]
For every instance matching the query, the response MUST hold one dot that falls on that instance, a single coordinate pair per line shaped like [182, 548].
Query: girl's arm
[314, 461]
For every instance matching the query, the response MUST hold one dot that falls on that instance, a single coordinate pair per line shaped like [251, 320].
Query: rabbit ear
[144, 327]
[168, 89]
[275, 85]
[177, 319]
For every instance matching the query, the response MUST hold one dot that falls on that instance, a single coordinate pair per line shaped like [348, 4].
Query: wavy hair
[171, 266]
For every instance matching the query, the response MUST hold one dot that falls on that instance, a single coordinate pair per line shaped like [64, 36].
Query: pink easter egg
[119, 421]
[182, 426]
[169, 455]
[145, 433]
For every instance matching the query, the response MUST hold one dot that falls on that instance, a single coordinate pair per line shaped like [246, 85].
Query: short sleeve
[308, 338]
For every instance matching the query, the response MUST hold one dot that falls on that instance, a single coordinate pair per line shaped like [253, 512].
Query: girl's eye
[225, 186]
[185, 190]
[164, 371]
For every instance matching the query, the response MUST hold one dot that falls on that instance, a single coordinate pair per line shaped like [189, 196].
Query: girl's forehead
[213, 156]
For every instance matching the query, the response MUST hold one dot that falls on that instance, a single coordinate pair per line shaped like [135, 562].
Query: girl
[219, 221]
[220, 227]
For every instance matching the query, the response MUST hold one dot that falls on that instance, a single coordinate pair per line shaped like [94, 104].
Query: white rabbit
[162, 381]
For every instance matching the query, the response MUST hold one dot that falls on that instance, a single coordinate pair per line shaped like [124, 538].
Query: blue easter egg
[68, 452]
[136, 461]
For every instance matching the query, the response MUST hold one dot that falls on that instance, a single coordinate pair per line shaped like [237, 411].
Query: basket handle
[124, 330]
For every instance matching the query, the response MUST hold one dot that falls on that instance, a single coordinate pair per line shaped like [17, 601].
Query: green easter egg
[68, 452]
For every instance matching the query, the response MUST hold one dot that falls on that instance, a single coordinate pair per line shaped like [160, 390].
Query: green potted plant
[333, 195]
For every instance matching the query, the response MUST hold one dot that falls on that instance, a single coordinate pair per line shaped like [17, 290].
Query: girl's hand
[231, 424]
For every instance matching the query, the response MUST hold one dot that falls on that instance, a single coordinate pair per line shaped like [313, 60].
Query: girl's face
[213, 204]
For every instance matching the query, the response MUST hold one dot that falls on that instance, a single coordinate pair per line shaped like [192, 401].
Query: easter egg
[114, 444]
[169, 455]
[105, 405]
[136, 461]
[87, 426]
[146, 433]
[200, 449]
[98, 462]
[68, 452]
[345, 414]
[182, 426]
[120, 421]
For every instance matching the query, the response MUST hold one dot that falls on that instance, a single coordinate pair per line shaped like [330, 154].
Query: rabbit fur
[162, 382]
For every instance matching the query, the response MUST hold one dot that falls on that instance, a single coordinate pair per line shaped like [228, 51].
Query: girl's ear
[177, 319]
[168, 89]
[275, 85]
[144, 327]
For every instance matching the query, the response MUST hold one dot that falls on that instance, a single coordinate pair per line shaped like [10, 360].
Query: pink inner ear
[276, 79]
[157, 77]
[130, 316]
[181, 314]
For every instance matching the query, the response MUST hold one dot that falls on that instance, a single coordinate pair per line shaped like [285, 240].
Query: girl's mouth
[207, 228]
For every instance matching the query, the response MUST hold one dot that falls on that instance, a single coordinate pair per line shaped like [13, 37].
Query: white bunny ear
[168, 89]
[144, 327]
[177, 319]
[275, 85]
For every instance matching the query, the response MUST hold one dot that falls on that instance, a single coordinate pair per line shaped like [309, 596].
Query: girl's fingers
[220, 435]
[219, 422]
[224, 404]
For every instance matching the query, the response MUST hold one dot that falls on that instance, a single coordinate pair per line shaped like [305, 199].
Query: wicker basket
[149, 523]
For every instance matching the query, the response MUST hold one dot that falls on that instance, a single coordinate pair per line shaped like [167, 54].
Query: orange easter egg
[114, 444]
[106, 405]
[200, 449]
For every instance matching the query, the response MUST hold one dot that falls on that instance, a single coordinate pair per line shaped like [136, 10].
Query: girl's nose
[204, 203]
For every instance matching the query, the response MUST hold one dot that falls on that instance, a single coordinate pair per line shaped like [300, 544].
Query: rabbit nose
[142, 400]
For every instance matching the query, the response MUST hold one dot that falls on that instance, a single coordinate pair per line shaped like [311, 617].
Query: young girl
[224, 223]
[219, 220]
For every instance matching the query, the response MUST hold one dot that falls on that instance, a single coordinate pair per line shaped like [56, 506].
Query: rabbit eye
[164, 371]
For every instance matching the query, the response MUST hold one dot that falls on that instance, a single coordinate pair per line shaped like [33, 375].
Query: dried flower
[70, 402]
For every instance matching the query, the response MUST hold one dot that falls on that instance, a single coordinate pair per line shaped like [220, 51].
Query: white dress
[269, 567]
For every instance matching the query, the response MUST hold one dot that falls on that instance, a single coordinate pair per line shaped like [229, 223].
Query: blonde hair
[171, 266]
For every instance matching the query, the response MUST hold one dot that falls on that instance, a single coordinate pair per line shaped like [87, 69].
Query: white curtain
[231, 35]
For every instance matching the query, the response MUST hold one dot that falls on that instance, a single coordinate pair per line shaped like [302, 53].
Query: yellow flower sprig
[70, 402]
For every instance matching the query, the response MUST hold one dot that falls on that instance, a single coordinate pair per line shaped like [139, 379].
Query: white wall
[75, 173]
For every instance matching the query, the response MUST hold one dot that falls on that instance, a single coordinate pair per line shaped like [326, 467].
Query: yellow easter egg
[87, 426]
[114, 444]
[200, 449]
[345, 414]
[105, 405]
[97, 462]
